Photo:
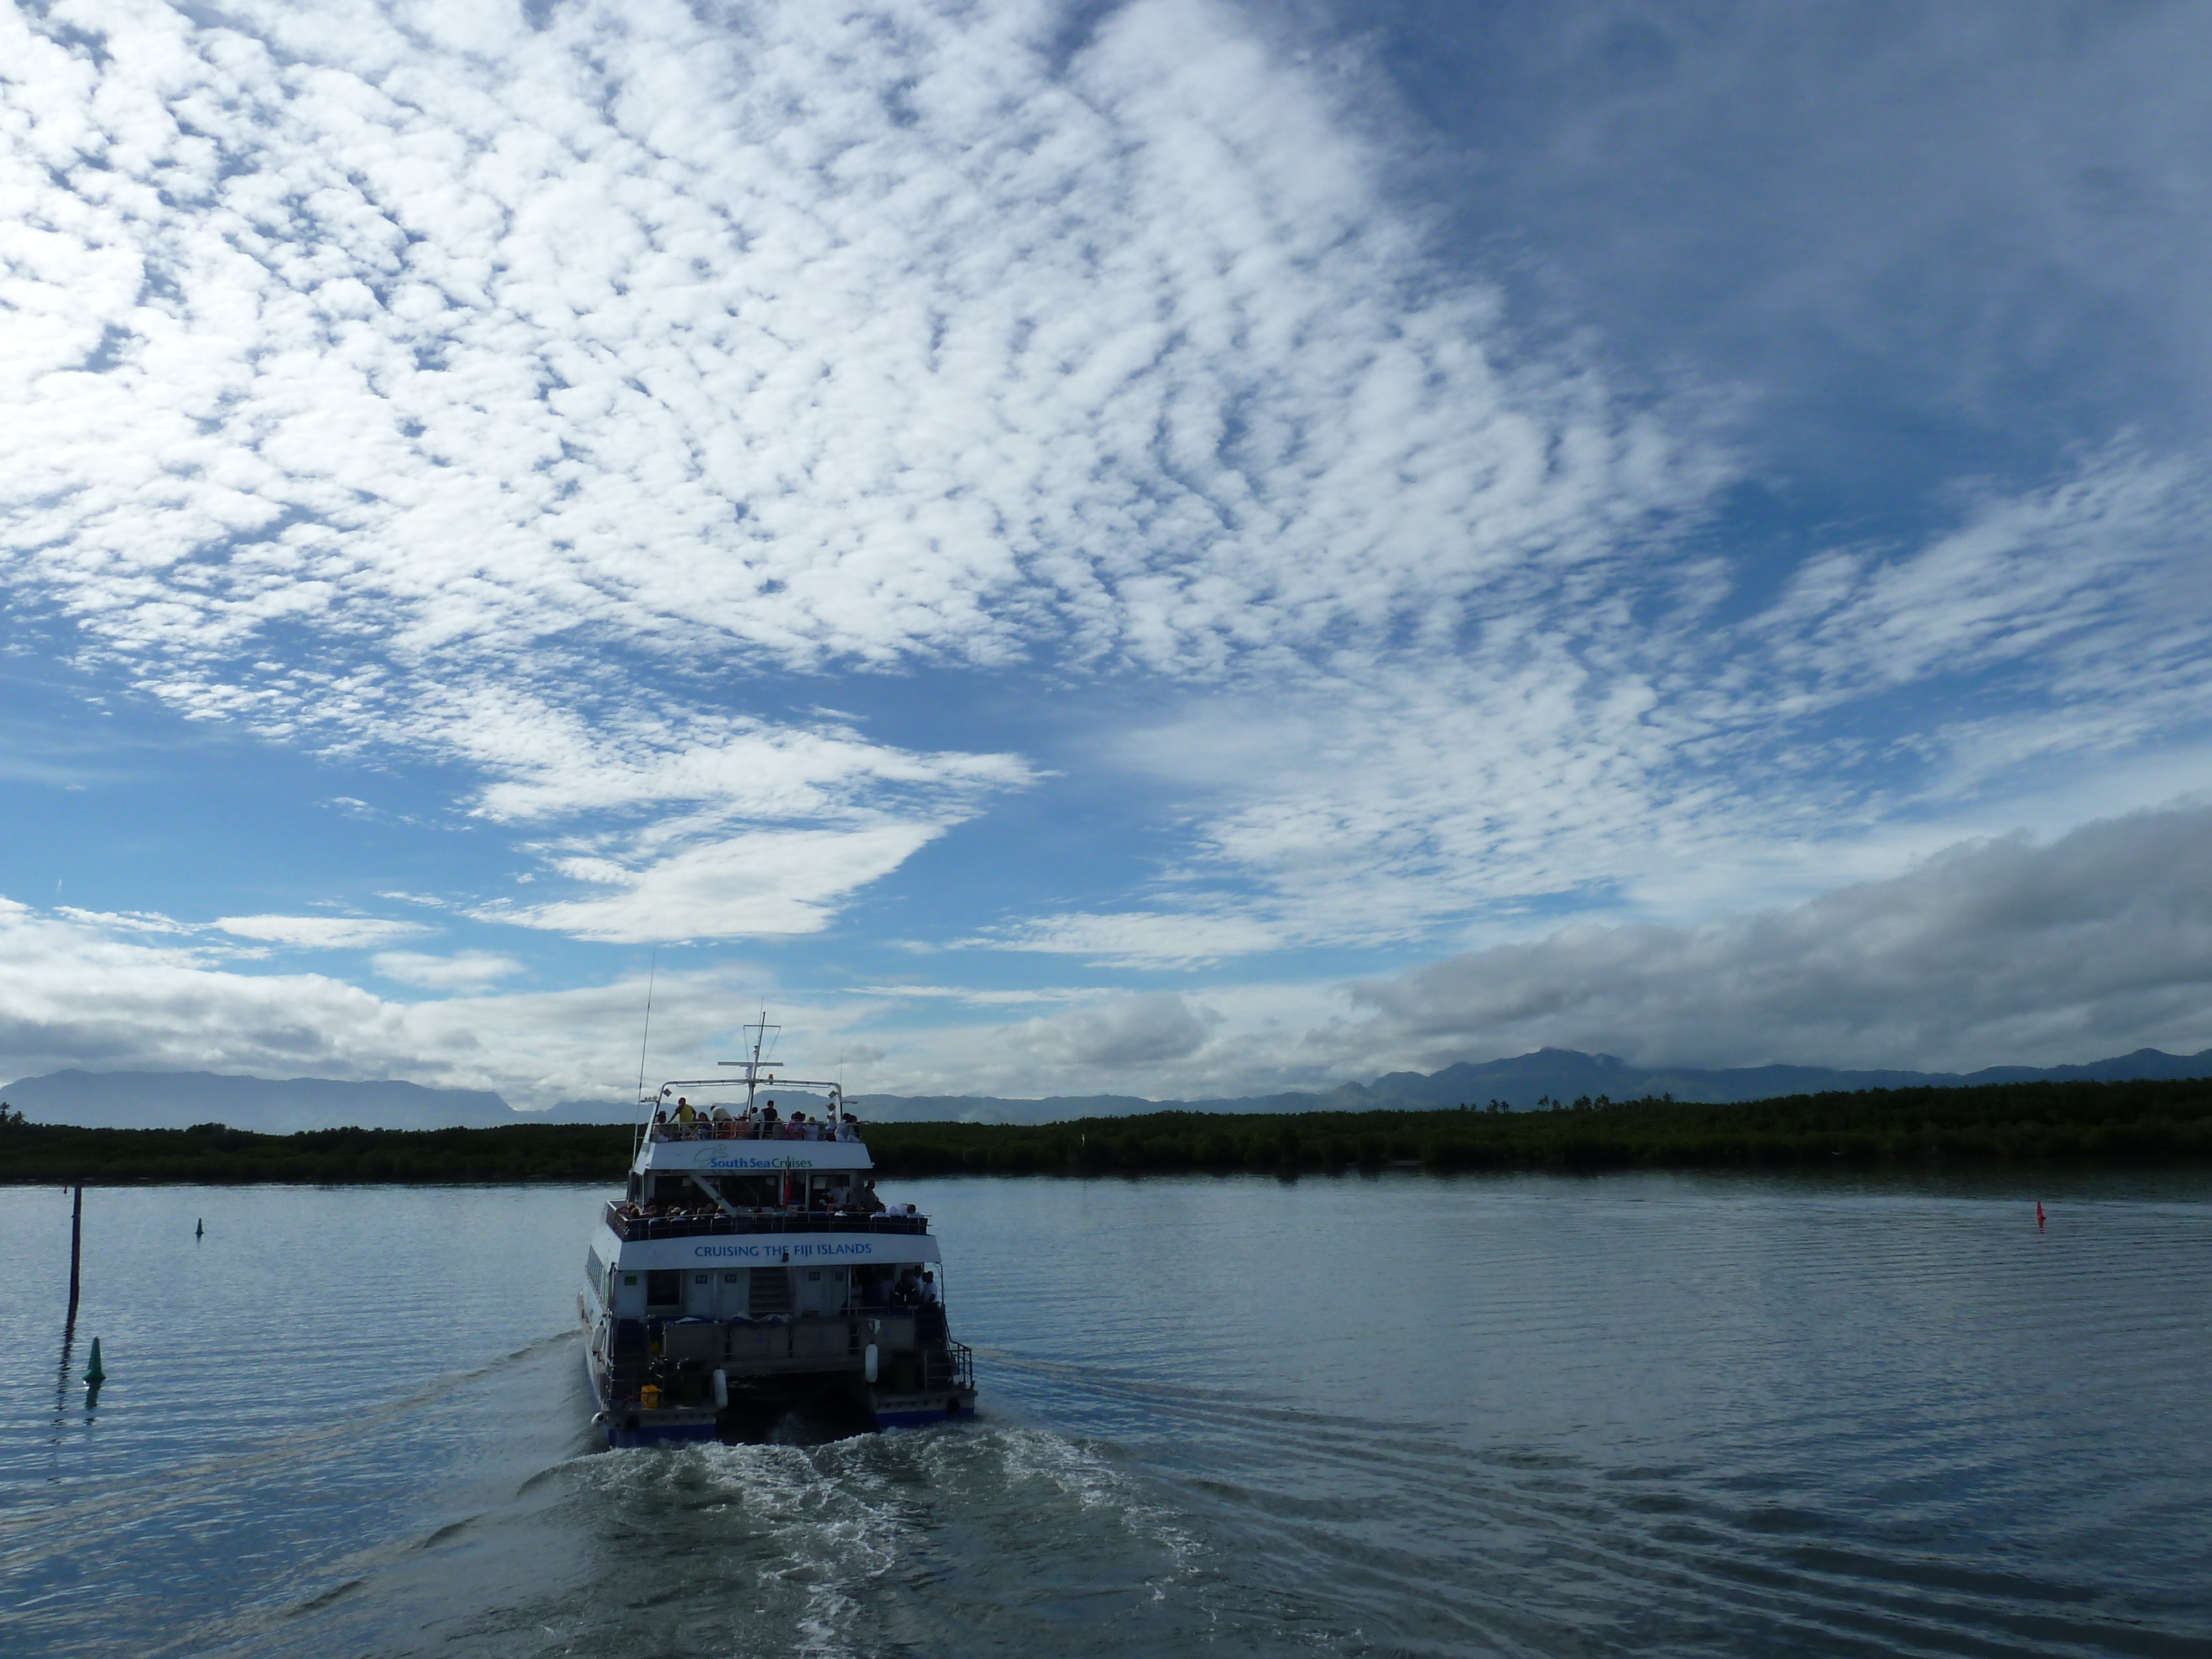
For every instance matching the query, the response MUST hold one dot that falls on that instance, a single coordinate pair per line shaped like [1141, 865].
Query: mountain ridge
[178, 1099]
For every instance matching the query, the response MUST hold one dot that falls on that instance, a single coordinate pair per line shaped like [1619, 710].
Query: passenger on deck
[684, 1112]
[928, 1288]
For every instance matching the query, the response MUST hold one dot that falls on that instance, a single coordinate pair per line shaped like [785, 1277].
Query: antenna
[651, 974]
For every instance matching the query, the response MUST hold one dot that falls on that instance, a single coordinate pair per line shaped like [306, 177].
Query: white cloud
[1145, 939]
[73, 995]
[1994, 951]
[554, 765]
[1999, 952]
[1121, 1034]
[767, 882]
[2097, 582]
[464, 970]
[972, 997]
[319, 933]
[127, 921]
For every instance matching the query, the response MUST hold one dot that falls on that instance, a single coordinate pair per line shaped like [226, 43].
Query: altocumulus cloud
[390, 366]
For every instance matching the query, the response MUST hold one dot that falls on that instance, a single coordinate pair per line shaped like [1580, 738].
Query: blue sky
[1171, 548]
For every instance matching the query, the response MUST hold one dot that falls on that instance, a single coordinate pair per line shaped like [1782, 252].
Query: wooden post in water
[76, 1246]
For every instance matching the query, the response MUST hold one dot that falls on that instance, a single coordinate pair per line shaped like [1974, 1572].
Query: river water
[1397, 1414]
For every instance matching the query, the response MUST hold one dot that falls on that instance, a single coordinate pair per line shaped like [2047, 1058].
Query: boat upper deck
[748, 1133]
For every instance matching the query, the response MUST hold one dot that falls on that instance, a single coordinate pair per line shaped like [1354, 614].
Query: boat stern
[918, 1410]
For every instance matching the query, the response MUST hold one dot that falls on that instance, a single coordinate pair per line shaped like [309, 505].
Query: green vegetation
[2038, 1122]
[209, 1152]
[2063, 1122]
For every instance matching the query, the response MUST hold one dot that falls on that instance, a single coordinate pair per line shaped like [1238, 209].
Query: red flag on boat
[2038, 1215]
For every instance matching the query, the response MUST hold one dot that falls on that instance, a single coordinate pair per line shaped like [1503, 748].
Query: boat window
[749, 1192]
[664, 1287]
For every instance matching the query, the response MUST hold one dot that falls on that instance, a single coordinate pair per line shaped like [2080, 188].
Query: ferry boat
[750, 1270]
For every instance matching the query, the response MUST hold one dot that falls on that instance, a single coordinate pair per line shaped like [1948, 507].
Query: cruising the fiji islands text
[750, 1271]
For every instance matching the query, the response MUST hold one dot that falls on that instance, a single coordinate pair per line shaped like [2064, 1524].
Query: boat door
[821, 1290]
[699, 1293]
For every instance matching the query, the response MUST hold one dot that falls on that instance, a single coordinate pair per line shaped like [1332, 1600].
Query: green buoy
[94, 1372]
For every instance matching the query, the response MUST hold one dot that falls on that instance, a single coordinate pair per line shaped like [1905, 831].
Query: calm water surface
[1632, 1414]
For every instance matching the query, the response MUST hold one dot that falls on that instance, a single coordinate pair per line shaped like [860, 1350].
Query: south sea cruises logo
[742, 1163]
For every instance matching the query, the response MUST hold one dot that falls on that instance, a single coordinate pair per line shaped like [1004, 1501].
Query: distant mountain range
[178, 1099]
[1563, 1074]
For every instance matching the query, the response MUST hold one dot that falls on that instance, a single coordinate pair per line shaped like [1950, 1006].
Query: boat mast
[760, 1030]
[637, 1137]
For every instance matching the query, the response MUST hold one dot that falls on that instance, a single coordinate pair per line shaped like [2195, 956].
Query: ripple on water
[1642, 1415]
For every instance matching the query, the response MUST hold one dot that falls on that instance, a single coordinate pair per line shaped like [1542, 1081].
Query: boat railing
[952, 1366]
[738, 1129]
[632, 1228]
